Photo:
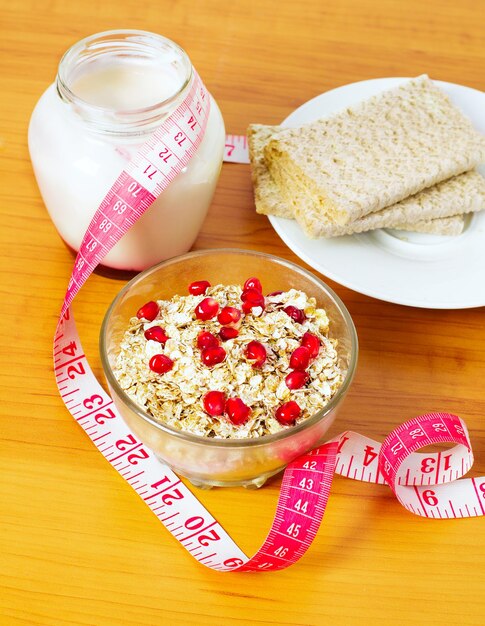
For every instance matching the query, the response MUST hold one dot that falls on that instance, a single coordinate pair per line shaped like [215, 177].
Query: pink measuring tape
[425, 484]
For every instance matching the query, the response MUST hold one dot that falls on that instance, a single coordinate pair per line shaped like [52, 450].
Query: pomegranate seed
[300, 359]
[214, 403]
[295, 314]
[296, 379]
[213, 355]
[237, 411]
[160, 363]
[255, 309]
[255, 351]
[206, 309]
[312, 342]
[148, 311]
[199, 287]
[156, 333]
[252, 299]
[252, 295]
[205, 339]
[229, 315]
[228, 332]
[253, 283]
[288, 413]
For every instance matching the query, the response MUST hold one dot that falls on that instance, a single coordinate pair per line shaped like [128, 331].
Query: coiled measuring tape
[425, 484]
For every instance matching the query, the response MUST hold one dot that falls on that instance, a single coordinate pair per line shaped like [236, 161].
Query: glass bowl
[225, 462]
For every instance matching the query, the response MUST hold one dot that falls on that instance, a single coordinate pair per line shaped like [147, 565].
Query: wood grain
[77, 546]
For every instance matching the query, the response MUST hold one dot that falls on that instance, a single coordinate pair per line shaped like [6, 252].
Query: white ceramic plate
[415, 269]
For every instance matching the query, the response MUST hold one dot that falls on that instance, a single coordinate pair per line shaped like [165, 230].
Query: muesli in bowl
[226, 381]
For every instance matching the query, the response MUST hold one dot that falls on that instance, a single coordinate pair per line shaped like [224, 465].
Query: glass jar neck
[124, 82]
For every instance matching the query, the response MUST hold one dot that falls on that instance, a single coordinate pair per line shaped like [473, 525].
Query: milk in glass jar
[112, 91]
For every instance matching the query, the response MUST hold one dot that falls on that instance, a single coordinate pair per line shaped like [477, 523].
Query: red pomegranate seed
[148, 311]
[214, 403]
[252, 295]
[288, 413]
[229, 315]
[199, 287]
[205, 339]
[206, 309]
[300, 359]
[255, 309]
[160, 363]
[296, 314]
[255, 351]
[213, 355]
[252, 299]
[253, 283]
[228, 332]
[296, 379]
[156, 333]
[237, 411]
[312, 342]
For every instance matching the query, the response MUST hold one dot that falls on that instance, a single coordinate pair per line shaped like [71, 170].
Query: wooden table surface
[77, 545]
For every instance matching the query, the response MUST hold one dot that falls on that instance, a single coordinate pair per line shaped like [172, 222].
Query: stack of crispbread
[402, 159]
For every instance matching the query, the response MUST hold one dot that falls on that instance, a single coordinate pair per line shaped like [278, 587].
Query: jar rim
[121, 42]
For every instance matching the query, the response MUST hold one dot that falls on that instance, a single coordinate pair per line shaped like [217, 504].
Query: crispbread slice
[378, 152]
[266, 197]
[463, 194]
[450, 226]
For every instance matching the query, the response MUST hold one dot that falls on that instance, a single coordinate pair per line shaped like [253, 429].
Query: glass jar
[112, 91]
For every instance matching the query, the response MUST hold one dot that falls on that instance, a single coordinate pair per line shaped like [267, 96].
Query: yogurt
[112, 91]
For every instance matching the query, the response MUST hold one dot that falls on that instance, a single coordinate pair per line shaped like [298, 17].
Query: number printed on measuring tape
[427, 484]
[236, 149]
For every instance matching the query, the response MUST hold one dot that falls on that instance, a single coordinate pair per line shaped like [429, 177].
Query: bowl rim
[233, 443]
